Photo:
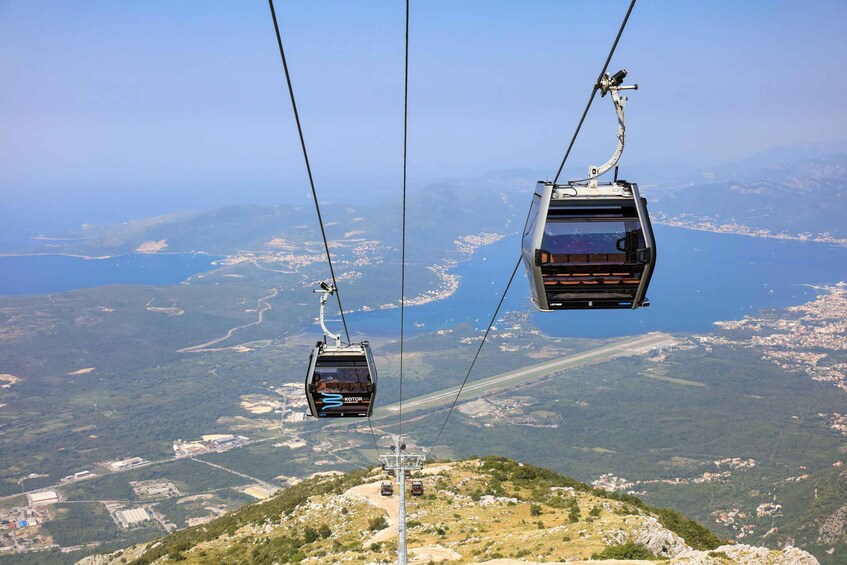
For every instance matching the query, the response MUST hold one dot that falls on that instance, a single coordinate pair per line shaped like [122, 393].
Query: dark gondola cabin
[589, 245]
[588, 248]
[417, 488]
[341, 381]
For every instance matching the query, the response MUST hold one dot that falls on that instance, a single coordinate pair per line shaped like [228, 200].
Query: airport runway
[475, 389]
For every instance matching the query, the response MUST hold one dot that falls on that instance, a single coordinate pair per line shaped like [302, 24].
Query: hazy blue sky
[188, 98]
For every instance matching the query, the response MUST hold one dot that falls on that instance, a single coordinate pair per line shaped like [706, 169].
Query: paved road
[628, 346]
[242, 475]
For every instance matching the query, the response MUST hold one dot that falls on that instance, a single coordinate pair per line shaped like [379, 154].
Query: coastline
[741, 229]
[86, 257]
[102, 257]
[449, 282]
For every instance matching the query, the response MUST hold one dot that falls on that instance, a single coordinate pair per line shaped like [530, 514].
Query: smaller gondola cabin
[588, 247]
[341, 381]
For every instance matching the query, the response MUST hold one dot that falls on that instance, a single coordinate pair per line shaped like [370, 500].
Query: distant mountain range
[801, 189]
[438, 214]
[785, 190]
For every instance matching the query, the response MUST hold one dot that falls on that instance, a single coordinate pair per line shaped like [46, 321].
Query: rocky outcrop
[746, 555]
[833, 529]
[657, 538]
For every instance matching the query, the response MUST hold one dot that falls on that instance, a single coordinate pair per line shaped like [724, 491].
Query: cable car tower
[341, 381]
[589, 245]
[401, 462]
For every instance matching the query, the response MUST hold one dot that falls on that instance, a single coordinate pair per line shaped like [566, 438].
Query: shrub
[627, 550]
[573, 515]
[695, 535]
[378, 523]
[310, 534]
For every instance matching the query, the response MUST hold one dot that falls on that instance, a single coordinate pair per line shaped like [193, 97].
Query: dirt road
[604, 562]
[370, 493]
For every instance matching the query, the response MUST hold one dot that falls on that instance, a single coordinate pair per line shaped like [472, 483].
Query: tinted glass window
[341, 374]
[574, 236]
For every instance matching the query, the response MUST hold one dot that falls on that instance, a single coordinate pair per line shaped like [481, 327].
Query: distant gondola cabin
[341, 381]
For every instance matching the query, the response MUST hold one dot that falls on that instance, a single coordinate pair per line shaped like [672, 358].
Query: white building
[42, 498]
[127, 463]
[133, 516]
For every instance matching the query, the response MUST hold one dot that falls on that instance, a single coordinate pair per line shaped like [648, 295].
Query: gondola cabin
[588, 247]
[386, 489]
[341, 381]
[417, 488]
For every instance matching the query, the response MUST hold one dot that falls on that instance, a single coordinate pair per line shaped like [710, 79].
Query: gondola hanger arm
[612, 84]
[326, 291]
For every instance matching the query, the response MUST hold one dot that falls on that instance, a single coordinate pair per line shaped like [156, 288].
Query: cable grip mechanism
[612, 84]
[326, 291]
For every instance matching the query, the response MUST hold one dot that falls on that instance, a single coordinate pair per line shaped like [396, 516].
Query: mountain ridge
[484, 510]
[803, 195]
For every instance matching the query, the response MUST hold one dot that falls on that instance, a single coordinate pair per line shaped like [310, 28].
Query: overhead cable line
[314, 192]
[403, 238]
[308, 168]
[594, 90]
[515, 270]
[373, 437]
[476, 356]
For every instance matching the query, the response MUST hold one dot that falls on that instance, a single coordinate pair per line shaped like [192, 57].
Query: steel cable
[594, 91]
[476, 356]
[314, 192]
[308, 168]
[403, 244]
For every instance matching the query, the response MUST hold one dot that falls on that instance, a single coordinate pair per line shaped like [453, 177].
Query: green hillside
[473, 511]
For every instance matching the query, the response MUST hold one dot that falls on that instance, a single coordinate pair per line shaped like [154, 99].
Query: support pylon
[401, 461]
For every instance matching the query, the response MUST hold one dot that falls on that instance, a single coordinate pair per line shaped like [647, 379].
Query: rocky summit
[490, 510]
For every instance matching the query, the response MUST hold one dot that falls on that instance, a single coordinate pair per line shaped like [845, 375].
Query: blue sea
[700, 278]
[45, 274]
